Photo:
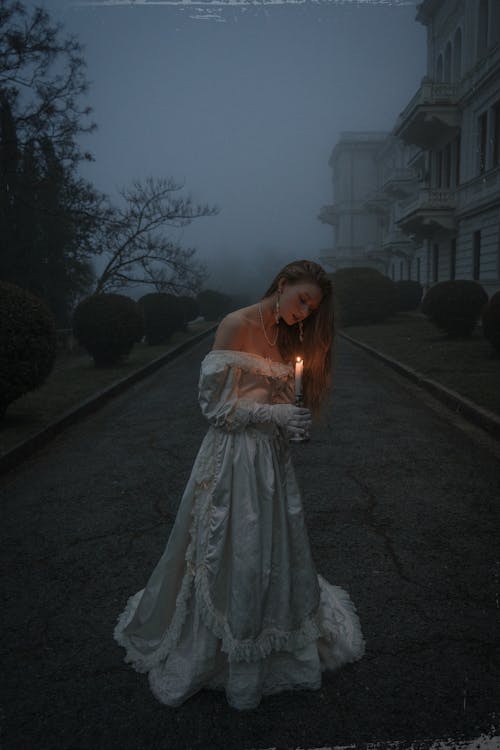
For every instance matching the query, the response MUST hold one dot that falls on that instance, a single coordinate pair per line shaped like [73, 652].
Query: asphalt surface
[402, 501]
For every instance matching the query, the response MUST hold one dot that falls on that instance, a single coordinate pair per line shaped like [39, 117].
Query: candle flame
[299, 359]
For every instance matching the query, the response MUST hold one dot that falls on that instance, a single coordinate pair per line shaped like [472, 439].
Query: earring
[277, 309]
[301, 331]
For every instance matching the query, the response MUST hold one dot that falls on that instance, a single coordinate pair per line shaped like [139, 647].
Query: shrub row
[491, 321]
[214, 305]
[409, 295]
[27, 343]
[106, 325]
[365, 296]
[164, 314]
[455, 306]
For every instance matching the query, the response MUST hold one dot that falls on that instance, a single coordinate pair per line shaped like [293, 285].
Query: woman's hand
[295, 420]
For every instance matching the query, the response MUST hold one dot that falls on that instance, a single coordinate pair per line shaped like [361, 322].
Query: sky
[243, 104]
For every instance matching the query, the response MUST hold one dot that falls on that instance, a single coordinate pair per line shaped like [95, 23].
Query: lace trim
[251, 649]
[144, 662]
[341, 644]
[217, 359]
[341, 635]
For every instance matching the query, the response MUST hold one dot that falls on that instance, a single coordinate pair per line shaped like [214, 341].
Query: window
[447, 63]
[482, 28]
[435, 262]
[401, 266]
[495, 24]
[496, 135]
[439, 169]
[439, 69]
[476, 255]
[447, 165]
[453, 258]
[457, 55]
[409, 269]
[418, 269]
[457, 160]
[482, 137]
[393, 272]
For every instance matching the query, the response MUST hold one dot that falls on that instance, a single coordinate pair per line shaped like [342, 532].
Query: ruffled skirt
[235, 603]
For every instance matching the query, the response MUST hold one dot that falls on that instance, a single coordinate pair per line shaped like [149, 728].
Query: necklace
[271, 343]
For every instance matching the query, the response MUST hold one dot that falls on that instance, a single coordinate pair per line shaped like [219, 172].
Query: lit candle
[299, 369]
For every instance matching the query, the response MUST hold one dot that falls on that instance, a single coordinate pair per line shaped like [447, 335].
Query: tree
[47, 216]
[133, 242]
[51, 221]
[27, 343]
[64, 222]
[46, 211]
[42, 77]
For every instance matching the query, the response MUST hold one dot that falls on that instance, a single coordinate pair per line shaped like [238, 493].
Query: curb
[25, 449]
[484, 418]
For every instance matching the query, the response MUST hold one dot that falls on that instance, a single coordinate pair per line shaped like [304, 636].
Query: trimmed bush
[107, 326]
[27, 343]
[455, 306]
[491, 321]
[213, 305]
[163, 315]
[409, 295]
[190, 309]
[364, 295]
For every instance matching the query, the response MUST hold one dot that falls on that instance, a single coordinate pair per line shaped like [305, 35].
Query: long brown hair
[319, 329]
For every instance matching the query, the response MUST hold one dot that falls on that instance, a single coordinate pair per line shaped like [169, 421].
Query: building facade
[355, 175]
[432, 186]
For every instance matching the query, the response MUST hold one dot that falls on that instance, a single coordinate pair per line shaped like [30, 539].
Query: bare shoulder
[232, 331]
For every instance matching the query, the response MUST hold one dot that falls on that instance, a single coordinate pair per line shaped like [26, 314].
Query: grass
[469, 366]
[73, 379]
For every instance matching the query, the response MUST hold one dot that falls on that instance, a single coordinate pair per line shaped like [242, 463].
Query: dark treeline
[53, 224]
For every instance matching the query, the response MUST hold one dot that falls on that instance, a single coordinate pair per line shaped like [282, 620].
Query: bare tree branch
[42, 74]
[134, 243]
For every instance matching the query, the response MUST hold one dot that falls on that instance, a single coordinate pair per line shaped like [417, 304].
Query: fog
[242, 104]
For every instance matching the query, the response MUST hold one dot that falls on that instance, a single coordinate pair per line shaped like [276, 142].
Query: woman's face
[298, 301]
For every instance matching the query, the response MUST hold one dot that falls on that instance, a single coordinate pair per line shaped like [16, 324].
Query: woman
[235, 602]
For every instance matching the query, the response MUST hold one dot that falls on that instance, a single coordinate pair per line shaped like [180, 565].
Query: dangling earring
[301, 331]
[277, 309]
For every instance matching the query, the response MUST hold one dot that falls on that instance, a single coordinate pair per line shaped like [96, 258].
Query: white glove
[294, 420]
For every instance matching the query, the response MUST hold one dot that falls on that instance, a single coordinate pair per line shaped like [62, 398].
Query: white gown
[235, 602]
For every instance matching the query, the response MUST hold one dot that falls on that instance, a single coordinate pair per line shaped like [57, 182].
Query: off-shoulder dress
[235, 602]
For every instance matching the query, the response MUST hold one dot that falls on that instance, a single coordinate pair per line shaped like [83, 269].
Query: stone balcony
[329, 214]
[397, 243]
[400, 183]
[432, 114]
[430, 213]
[376, 203]
[375, 251]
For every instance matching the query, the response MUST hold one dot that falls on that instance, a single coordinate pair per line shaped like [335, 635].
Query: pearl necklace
[271, 343]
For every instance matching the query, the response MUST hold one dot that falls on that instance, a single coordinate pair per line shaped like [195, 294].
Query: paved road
[403, 511]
